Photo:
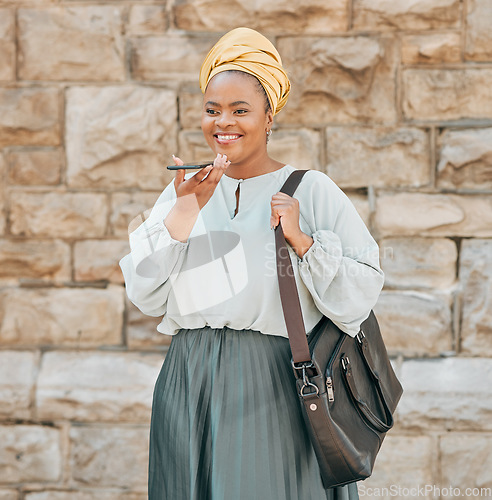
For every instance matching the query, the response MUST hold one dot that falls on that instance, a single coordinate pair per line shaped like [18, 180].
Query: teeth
[227, 137]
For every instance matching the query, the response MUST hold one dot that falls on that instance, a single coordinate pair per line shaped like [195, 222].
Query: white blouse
[225, 273]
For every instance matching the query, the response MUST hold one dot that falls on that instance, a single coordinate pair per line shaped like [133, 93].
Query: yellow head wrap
[244, 49]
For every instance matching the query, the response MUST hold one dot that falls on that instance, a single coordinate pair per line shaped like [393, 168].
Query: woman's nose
[225, 119]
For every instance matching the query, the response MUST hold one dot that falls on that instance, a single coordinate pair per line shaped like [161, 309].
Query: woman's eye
[241, 111]
[210, 111]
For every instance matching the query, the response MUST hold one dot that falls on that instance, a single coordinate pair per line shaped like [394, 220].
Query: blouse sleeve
[341, 268]
[154, 257]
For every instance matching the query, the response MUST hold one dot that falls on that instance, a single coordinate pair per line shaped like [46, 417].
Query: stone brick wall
[391, 98]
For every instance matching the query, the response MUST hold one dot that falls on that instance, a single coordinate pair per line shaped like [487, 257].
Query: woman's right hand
[200, 186]
[193, 194]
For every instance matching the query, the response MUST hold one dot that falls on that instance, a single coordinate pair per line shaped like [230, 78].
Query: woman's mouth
[227, 138]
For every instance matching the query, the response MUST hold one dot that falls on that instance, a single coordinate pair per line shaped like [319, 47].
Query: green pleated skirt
[226, 422]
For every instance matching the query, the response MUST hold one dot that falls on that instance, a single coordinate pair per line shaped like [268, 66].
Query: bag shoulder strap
[289, 295]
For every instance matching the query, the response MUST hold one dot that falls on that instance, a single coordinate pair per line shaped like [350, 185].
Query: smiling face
[234, 120]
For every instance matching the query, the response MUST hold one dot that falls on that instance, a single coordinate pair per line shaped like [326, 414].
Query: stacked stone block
[391, 99]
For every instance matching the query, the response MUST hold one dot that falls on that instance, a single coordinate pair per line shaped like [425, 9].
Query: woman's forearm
[182, 217]
[301, 243]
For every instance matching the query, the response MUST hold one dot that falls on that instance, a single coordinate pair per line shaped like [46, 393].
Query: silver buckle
[307, 385]
[305, 379]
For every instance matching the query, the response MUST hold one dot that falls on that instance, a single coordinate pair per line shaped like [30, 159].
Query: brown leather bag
[346, 385]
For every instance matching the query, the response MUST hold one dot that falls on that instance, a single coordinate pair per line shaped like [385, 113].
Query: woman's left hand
[286, 209]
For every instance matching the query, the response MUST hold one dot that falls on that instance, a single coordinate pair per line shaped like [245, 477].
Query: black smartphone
[190, 166]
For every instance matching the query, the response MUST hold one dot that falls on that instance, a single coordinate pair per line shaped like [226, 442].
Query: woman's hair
[259, 86]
